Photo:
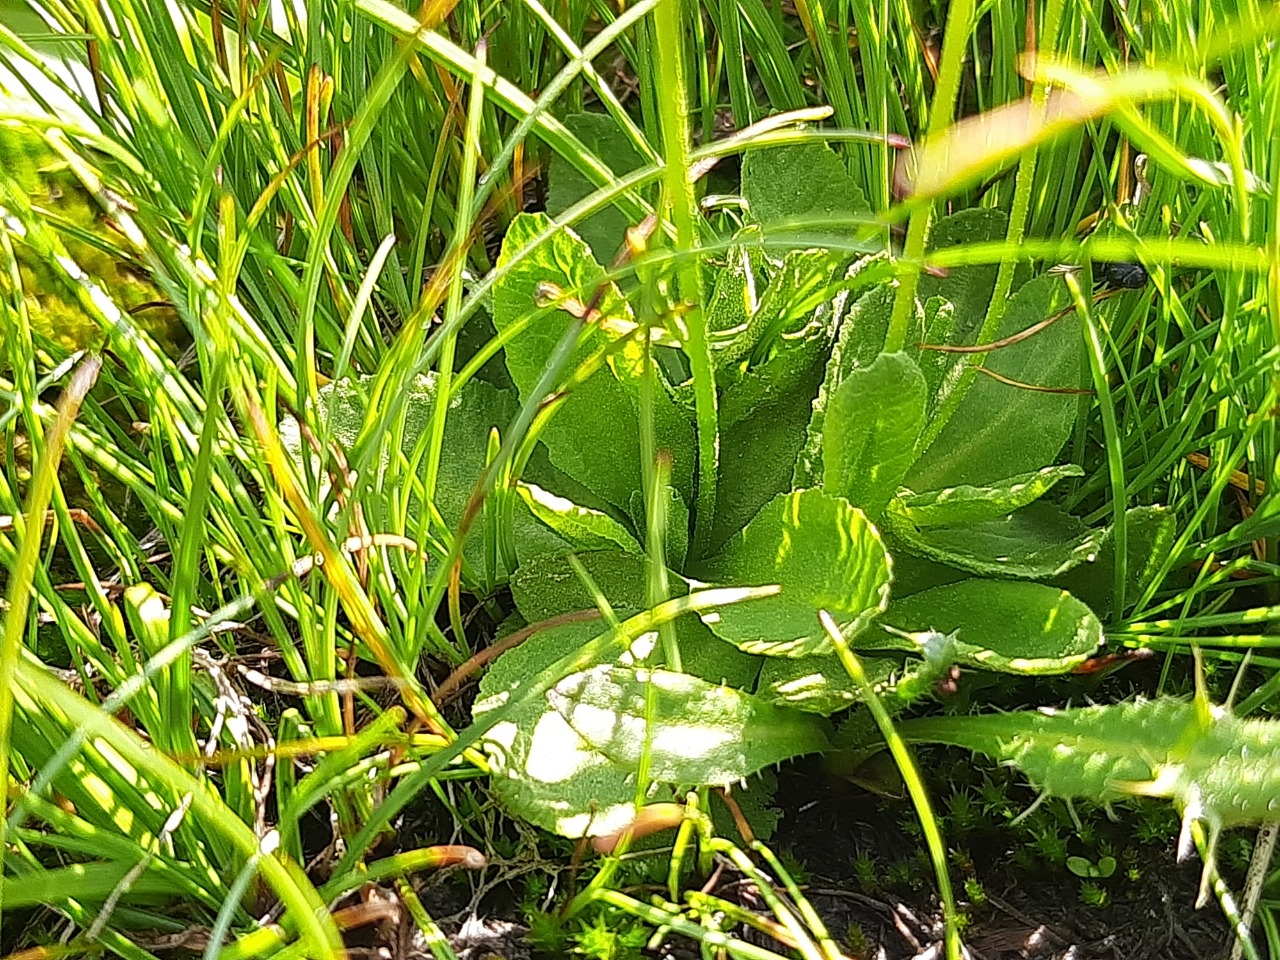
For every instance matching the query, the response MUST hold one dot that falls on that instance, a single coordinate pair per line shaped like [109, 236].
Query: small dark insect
[1124, 276]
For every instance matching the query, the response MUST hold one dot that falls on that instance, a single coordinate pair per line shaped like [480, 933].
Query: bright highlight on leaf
[823, 553]
[982, 145]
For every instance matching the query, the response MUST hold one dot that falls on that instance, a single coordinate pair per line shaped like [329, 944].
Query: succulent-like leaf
[965, 504]
[1038, 541]
[1001, 625]
[872, 422]
[1000, 429]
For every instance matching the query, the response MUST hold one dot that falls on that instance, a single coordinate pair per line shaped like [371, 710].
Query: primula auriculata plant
[910, 501]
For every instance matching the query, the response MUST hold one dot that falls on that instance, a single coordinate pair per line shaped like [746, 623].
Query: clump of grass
[314, 195]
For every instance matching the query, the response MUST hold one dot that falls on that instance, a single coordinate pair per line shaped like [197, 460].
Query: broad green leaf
[820, 684]
[863, 326]
[540, 768]
[605, 230]
[700, 733]
[1000, 430]
[965, 504]
[806, 180]
[939, 367]
[739, 282]
[823, 553]
[1035, 542]
[1219, 768]
[703, 654]
[967, 289]
[872, 422]
[548, 586]
[913, 573]
[594, 435]
[1150, 532]
[1001, 625]
[763, 419]
[582, 527]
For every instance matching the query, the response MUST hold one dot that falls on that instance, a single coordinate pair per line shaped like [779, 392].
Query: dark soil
[828, 824]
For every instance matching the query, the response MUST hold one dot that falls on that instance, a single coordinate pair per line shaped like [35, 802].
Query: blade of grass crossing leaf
[742, 101]
[580, 60]
[1179, 251]
[829, 62]
[222, 923]
[512, 442]
[444, 371]
[363, 295]
[655, 543]
[502, 92]
[1112, 439]
[910, 776]
[669, 81]
[122, 694]
[393, 376]
[941, 110]
[15, 625]
[432, 935]
[1023, 187]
